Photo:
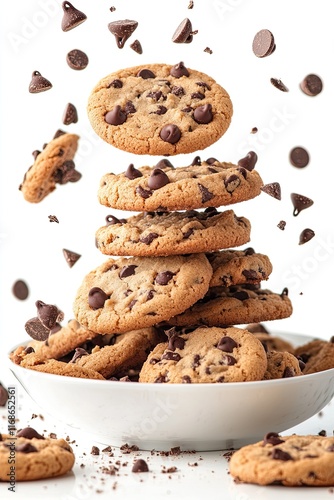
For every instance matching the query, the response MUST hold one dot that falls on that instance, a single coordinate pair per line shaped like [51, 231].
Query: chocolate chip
[285, 292]
[140, 466]
[177, 90]
[279, 84]
[311, 85]
[279, 454]
[58, 133]
[263, 43]
[281, 225]
[179, 70]
[231, 183]
[208, 50]
[29, 433]
[250, 274]
[171, 356]
[145, 74]
[26, 448]
[300, 203]
[122, 30]
[227, 360]
[170, 133]
[183, 32]
[191, 4]
[115, 116]
[53, 218]
[72, 17]
[186, 379]
[111, 219]
[70, 114]
[157, 179]
[206, 194]
[96, 298]
[3, 395]
[155, 95]
[20, 290]
[174, 340]
[71, 257]
[164, 277]
[116, 84]
[196, 162]
[160, 111]
[227, 344]
[241, 295]
[78, 353]
[77, 59]
[164, 163]
[254, 130]
[136, 46]
[35, 153]
[48, 314]
[127, 271]
[66, 173]
[147, 240]
[36, 330]
[197, 95]
[299, 157]
[305, 236]
[196, 361]
[129, 108]
[249, 161]
[273, 189]
[288, 372]
[39, 83]
[132, 173]
[162, 379]
[203, 114]
[272, 438]
[144, 193]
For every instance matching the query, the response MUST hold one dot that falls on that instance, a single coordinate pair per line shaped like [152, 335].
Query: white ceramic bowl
[198, 417]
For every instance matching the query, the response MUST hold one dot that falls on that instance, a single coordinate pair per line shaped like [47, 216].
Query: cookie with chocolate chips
[235, 305]
[36, 457]
[53, 165]
[159, 109]
[130, 293]
[172, 233]
[318, 355]
[163, 187]
[206, 355]
[281, 365]
[286, 460]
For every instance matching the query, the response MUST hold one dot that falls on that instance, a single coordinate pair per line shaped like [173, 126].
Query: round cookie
[164, 188]
[286, 460]
[234, 306]
[274, 343]
[54, 165]
[281, 365]
[55, 367]
[237, 267]
[131, 293]
[206, 355]
[159, 109]
[172, 233]
[318, 355]
[35, 458]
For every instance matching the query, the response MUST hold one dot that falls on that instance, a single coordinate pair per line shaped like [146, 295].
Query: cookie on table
[137, 292]
[53, 165]
[159, 109]
[318, 355]
[223, 306]
[281, 365]
[206, 355]
[172, 233]
[56, 367]
[286, 460]
[35, 457]
[165, 188]
[237, 267]
[274, 343]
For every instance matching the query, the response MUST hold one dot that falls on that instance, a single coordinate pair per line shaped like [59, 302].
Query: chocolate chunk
[157, 179]
[48, 314]
[72, 17]
[36, 330]
[53, 218]
[273, 189]
[300, 203]
[170, 133]
[249, 161]
[279, 84]
[203, 114]
[196, 162]
[96, 298]
[183, 33]
[136, 46]
[197, 95]
[227, 360]
[241, 295]
[116, 84]
[70, 114]
[58, 133]
[144, 193]
[129, 108]
[140, 466]
[77, 59]
[164, 277]
[279, 454]
[250, 274]
[127, 271]
[281, 225]
[299, 157]
[145, 74]
[122, 30]
[78, 353]
[155, 95]
[288, 372]
[206, 194]
[186, 379]
[263, 43]
[111, 219]
[20, 290]
[71, 257]
[174, 340]
[35, 153]
[26, 448]
[171, 356]
[196, 361]
[115, 116]
[231, 183]
[179, 70]
[227, 344]
[305, 236]
[249, 251]
[208, 50]
[254, 130]
[39, 83]
[29, 433]
[178, 91]
[272, 438]
[3, 395]
[191, 4]
[164, 163]
[132, 173]
[160, 111]
[147, 240]
[311, 85]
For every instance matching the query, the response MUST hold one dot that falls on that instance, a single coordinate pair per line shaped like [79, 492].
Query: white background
[31, 246]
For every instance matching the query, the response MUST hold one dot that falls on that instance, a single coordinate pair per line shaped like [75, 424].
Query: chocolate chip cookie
[174, 233]
[286, 460]
[318, 355]
[159, 109]
[281, 365]
[206, 355]
[35, 457]
[56, 367]
[202, 184]
[274, 342]
[130, 293]
[53, 165]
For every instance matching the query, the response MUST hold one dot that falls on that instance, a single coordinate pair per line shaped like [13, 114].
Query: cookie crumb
[281, 225]
[191, 4]
[208, 50]
[53, 218]
[95, 450]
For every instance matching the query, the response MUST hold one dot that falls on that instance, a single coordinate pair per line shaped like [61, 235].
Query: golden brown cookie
[55, 367]
[274, 342]
[281, 365]
[318, 355]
